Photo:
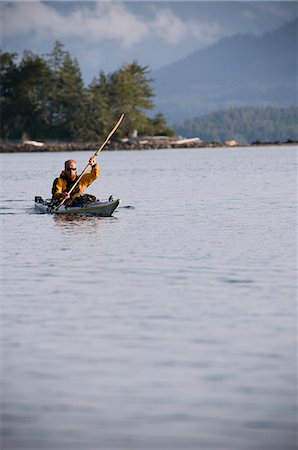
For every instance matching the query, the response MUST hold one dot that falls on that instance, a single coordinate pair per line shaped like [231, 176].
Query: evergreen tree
[8, 71]
[72, 98]
[100, 113]
[160, 126]
[46, 98]
[23, 104]
[67, 96]
[131, 93]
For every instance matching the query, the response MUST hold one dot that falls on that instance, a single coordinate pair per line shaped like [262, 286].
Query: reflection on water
[170, 325]
[79, 220]
[81, 224]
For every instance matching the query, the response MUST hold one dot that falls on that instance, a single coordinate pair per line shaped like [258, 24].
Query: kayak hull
[97, 208]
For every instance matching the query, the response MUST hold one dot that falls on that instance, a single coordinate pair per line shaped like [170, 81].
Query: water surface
[172, 324]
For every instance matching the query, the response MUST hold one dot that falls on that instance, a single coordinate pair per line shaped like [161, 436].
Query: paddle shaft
[94, 156]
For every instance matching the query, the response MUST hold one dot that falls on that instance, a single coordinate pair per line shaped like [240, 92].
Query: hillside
[242, 70]
[246, 125]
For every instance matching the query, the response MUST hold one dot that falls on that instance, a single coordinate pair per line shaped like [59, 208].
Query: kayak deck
[97, 208]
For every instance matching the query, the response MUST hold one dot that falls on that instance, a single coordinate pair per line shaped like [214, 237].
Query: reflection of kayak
[96, 208]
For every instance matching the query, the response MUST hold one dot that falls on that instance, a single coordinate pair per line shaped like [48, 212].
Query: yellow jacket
[64, 184]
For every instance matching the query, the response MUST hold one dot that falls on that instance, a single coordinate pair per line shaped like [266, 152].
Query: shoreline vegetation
[46, 98]
[145, 143]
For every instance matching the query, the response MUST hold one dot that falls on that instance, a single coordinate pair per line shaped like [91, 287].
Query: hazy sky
[105, 34]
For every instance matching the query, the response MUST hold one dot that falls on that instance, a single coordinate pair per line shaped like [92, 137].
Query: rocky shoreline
[128, 145]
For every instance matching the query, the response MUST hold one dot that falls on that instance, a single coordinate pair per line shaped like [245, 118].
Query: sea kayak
[97, 208]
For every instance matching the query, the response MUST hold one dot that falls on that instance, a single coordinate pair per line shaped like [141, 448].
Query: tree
[131, 93]
[67, 95]
[23, 105]
[72, 98]
[99, 112]
[161, 126]
[45, 97]
[8, 69]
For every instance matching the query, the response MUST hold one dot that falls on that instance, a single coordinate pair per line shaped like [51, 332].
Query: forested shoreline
[244, 124]
[44, 98]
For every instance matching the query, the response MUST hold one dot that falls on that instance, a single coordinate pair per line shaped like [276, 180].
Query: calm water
[171, 325]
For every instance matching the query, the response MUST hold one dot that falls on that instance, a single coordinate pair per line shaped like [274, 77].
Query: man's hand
[65, 194]
[92, 161]
[77, 195]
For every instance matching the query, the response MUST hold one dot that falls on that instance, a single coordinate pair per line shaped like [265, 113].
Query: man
[67, 179]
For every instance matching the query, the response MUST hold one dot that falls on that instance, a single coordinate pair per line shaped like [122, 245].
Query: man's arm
[57, 189]
[88, 178]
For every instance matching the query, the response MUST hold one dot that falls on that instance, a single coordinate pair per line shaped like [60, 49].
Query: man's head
[70, 167]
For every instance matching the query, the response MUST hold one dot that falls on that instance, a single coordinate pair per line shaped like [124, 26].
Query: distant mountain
[242, 70]
[245, 124]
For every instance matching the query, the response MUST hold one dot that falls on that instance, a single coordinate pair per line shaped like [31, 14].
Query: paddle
[94, 156]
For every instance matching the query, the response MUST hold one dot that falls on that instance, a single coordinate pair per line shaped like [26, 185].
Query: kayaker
[68, 177]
